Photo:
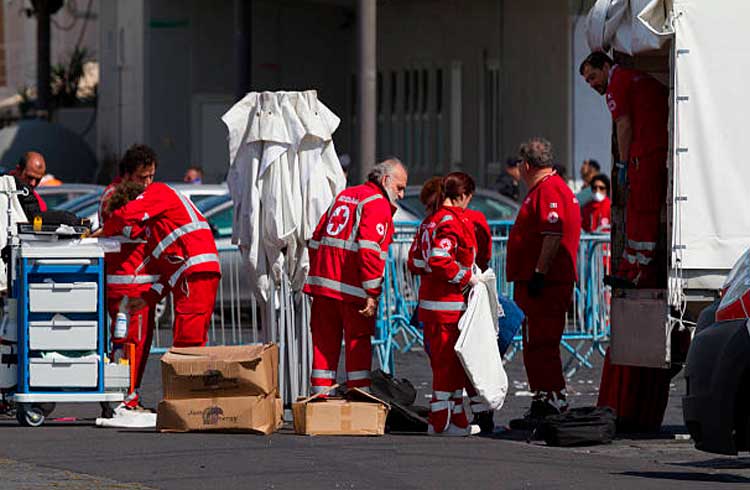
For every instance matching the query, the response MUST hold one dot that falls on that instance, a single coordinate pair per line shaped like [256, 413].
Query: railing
[242, 318]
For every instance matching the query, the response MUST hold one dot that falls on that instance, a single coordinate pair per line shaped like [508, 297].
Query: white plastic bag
[477, 344]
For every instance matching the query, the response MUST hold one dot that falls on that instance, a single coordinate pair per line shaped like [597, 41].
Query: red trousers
[647, 178]
[448, 377]
[194, 300]
[330, 320]
[638, 395]
[542, 332]
[140, 332]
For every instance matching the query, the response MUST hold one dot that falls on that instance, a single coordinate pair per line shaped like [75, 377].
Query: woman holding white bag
[448, 250]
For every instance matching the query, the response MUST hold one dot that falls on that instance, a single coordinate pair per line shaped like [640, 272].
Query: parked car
[55, 196]
[495, 207]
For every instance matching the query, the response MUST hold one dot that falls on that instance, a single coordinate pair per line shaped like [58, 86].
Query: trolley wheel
[30, 415]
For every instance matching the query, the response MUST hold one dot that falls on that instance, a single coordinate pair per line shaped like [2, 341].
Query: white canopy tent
[283, 176]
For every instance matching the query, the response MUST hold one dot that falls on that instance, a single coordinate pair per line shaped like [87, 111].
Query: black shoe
[617, 282]
[536, 413]
[485, 421]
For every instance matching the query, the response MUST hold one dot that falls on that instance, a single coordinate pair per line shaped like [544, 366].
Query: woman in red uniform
[597, 213]
[430, 196]
[449, 245]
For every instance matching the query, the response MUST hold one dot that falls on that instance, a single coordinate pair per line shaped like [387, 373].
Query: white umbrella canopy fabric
[284, 174]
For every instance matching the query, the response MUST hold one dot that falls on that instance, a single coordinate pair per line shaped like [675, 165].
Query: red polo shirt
[642, 97]
[550, 208]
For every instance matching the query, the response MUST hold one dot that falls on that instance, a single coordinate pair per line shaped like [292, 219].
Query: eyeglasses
[598, 188]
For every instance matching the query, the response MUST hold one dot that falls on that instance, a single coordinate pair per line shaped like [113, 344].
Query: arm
[373, 239]
[550, 246]
[442, 259]
[624, 129]
[130, 220]
[415, 262]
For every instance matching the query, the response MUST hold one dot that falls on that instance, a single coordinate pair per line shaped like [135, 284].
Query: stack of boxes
[221, 389]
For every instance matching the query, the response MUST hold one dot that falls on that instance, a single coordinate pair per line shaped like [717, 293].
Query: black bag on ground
[404, 416]
[583, 426]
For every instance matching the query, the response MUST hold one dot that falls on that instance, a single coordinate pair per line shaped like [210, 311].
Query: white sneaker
[451, 431]
[474, 429]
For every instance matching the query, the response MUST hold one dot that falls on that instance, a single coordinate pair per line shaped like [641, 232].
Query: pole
[43, 58]
[367, 78]
[243, 46]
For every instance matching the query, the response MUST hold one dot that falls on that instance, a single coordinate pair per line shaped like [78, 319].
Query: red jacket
[450, 256]
[177, 234]
[597, 216]
[419, 252]
[483, 236]
[550, 208]
[350, 244]
[128, 271]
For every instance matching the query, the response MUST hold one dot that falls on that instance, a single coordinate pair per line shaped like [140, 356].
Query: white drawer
[65, 334]
[116, 377]
[63, 373]
[63, 297]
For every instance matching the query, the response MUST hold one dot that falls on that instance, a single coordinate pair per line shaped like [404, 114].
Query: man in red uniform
[347, 260]
[183, 251]
[541, 261]
[129, 274]
[640, 110]
[639, 107]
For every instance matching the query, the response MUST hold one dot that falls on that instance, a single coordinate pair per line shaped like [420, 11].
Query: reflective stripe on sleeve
[336, 286]
[439, 252]
[176, 234]
[318, 389]
[419, 263]
[445, 219]
[323, 374]
[383, 255]
[441, 305]
[458, 277]
[127, 231]
[313, 244]
[441, 395]
[158, 288]
[357, 375]
[458, 408]
[131, 279]
[372, 283]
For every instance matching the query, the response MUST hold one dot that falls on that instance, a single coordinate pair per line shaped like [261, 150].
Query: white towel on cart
[477, 344]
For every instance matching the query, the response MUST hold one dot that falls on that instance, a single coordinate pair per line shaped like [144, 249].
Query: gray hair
[386, 167]
[537, 152]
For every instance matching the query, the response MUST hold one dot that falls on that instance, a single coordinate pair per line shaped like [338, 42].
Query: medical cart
[58, 284]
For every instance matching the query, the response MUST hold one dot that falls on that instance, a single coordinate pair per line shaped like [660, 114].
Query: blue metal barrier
[587, 329]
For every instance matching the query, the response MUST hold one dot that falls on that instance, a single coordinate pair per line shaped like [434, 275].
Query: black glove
[536, 284]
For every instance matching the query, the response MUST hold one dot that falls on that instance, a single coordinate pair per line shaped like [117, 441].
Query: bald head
[31, 168]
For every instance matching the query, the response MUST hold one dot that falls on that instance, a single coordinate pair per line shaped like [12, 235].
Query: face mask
[598, 196]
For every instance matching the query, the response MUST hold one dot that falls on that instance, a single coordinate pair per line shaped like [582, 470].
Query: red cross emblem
[338, 220]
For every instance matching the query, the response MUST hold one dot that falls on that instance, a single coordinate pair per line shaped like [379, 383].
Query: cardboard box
[258, 414]
[357, 414]
[210, 372]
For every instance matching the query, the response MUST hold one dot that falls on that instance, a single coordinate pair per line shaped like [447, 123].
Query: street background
[77, 455]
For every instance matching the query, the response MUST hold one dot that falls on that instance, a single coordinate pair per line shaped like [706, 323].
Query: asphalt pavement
[72, 454]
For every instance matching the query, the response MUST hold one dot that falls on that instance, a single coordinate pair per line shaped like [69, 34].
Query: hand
[371, 306]
[135, 304]
[97, 233]
[473, 280]
[536, 284]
